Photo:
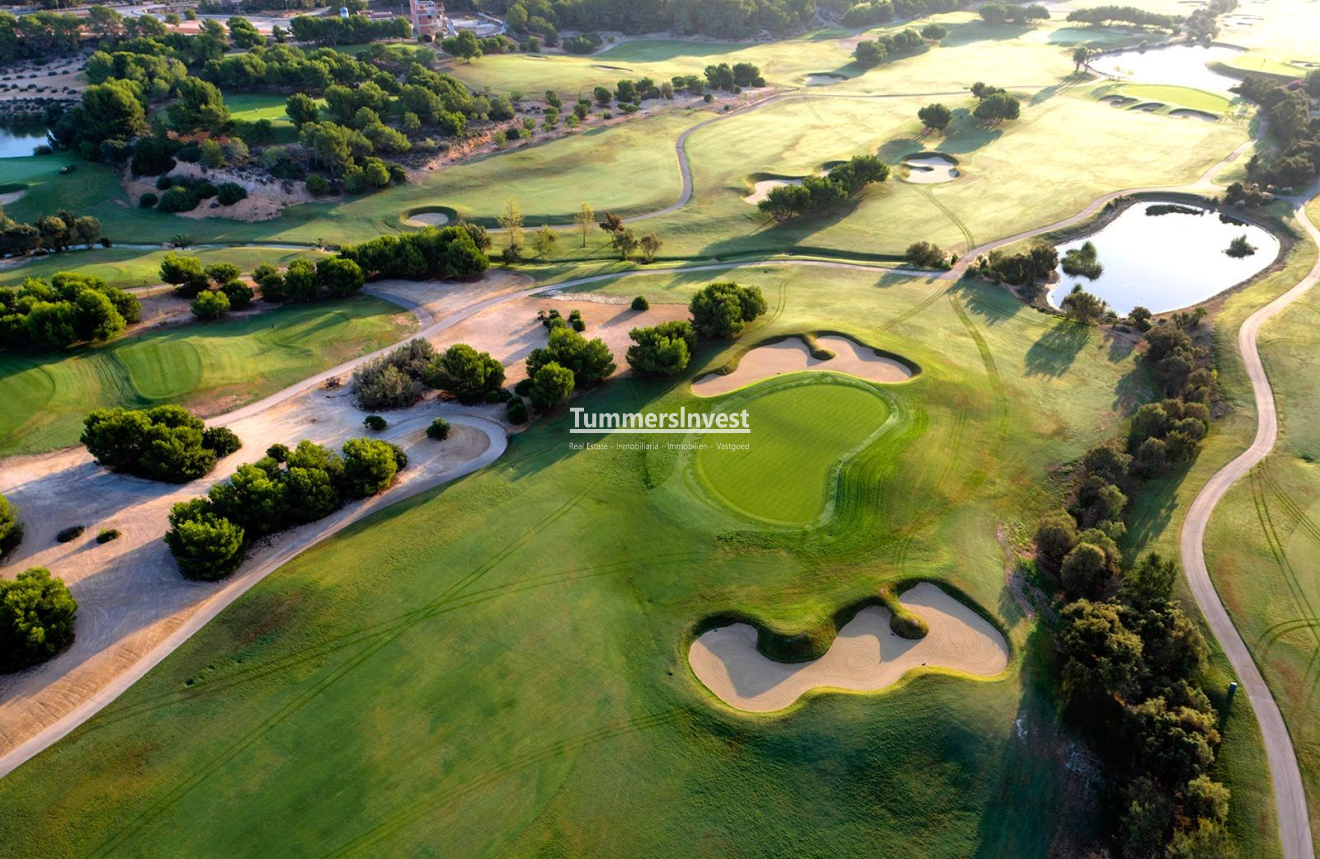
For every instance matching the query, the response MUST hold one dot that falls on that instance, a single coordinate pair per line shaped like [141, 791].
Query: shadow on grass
[1057, 349]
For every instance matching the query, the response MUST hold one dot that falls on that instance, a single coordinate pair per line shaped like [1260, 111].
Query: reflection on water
[1181, 65]
[1164, 262]
[18, 139]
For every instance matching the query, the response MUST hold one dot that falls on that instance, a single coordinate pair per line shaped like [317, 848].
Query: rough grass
[426, 678]
[207, 367]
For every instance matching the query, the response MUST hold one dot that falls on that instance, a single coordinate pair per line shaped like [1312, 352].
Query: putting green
[217, 366]
[782, 477]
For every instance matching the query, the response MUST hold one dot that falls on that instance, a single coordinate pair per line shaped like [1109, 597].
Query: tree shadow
[1055, 351]
[991, 305]
[968, 134]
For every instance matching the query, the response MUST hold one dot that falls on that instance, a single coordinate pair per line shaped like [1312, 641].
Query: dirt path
[1289, 793]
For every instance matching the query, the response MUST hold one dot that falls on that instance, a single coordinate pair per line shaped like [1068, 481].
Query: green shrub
[221, 441]
[318, 185]
[393, 381]
[148, 200]
[640, 303]
[69, 534]
[239, 294]
[438, 430]
[721, 310]
[11, 530]
[369, 467]
[36, 618]
[161, 443]
[177, 199]
[210, 305]
[107, 534]
[517, 411]
[375, 423]
[206, 546]
[903, 622]
[469, 375]
[229, 193]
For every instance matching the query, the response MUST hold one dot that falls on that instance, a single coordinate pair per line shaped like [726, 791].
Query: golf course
[924, 524]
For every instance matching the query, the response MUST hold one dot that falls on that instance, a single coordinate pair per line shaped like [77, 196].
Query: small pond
[1166, 262]
[1179, 65]
[19, 139]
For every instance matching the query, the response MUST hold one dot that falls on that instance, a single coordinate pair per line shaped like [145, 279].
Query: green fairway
[1178, 96]
[782, 477]
[250, 107]
[129, 267]
[389, 685]
[1264, 64]
[212, 367]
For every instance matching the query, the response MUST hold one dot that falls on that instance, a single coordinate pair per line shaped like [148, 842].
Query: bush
[229, 193]
[11, 530]
[369, 467]
[517, 412]
[438, 430]
[393, 381]
[36, 618]
[185, 273]
[69, 534]
[67, 309]
[148, 200]
[318, 185]
[177, 199]
[107, 534]
[722, 309]
[466, 373]
[589, 361]
[161, 443]
[239, 294]
[207, 547]
[925, 255]
[341, 277]
[210, 305]
[375, 423]
[640, 303]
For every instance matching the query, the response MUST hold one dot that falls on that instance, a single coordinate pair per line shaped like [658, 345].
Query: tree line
[70, 308]
[817, 192]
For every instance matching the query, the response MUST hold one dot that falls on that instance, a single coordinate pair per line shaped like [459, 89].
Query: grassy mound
[903, 622]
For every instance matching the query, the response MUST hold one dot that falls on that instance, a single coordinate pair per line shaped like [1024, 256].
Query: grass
[780, 478]
[211, 367]
[250, 107]
[387, 691]
[1267, 65]
[130, 267]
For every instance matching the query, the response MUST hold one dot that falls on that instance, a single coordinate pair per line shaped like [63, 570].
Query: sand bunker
[1149, 107]
[1118, 100]
[823, 79]
[1188, 113]
[866, 655]
[930, 169]
[761, 190]
[12, 197]
[793, 356]
[427, 219]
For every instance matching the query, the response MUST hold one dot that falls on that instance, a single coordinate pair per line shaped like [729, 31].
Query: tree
[220, 273]
[438, 430]
[584, 221]
[650, 246]
[301, 109]
[934, 33]
[551, 385]
[1081, 55]
[1085, 571]
[603, 95]
[1083, 307]
[300, 281]
[210, 305]
[369, 467]
[200, 106]
[341, 277]
[185, 273]
[925, 255]
[998, 107]
[465, 45]
[1056, 536]
[206, 546]
[36, 618]
[511, 220]
[589, 361]
[11, 530]
[625, 241]
[466, 373]
[869, 54]
[1206, 839]
[663, 350]
[721, 310]
[935, 116]
[1150, 581]
[543, 241]
[1082, 262]
[161, 443]
[1102, 656]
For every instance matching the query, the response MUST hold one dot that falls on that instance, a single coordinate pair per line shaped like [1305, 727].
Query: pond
[1166, 262]
[1180, 65]
[19, 139]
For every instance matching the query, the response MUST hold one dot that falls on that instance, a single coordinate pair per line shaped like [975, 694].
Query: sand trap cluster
[930, 169]
[793, 356]
[427, 219]
[761, 190]
[866, 655]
